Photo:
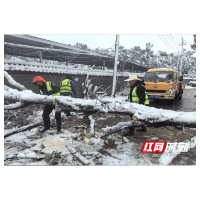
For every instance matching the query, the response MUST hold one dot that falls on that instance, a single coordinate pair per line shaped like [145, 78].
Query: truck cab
[164, 84]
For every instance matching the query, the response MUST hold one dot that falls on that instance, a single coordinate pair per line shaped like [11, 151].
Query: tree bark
[91, 124]
[143, 113]
[24, 157]
[82, 159]
[13, 82]
[16, 105]
[122, 125]
[146, 116]
[24, 128]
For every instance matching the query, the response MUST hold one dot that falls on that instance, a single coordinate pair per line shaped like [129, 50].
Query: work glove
[44, 94]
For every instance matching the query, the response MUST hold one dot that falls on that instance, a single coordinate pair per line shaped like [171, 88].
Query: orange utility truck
[164, 84]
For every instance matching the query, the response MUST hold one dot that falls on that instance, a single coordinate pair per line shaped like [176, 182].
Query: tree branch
[91, 124]
[24, 128]
[13, 82]
[16, 105]
[122, 125]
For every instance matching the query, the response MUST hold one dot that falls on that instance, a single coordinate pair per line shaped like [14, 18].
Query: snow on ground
[189, 87]
[167, 157]
[126, 153]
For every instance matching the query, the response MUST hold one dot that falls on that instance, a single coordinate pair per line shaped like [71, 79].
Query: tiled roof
[58, 69]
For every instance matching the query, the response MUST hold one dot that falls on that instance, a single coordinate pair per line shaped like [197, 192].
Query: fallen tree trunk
[16, 105]
[147, 116]
[24, 128]
[143, 113]
[122, 125]
[37, 99]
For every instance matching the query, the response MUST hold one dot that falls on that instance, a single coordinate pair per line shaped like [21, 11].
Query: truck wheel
[172, 101]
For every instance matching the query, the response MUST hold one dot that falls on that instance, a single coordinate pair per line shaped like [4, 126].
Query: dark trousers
[70, 95]
[47, 111]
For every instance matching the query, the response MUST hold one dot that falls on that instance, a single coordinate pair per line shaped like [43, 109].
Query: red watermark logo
[153, 147]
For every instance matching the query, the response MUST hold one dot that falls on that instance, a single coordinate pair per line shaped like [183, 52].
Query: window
[160, 76]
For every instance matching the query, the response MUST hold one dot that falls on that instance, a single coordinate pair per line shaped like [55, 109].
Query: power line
[169, 43]
[172, 42]
[153, 42]
[175, 42]
[165, 43]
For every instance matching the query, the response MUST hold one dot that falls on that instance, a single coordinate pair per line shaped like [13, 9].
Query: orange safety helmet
[38, 78]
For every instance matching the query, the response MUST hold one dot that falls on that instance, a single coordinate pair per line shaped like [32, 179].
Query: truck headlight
[171, 91]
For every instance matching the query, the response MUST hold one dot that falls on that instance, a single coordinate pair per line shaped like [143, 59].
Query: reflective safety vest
[135, 98]
[65, 86]
[49, 88]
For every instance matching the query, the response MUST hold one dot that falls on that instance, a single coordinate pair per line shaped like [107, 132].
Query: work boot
[46, 125]
[58, 126]
[143, 128]
[130, 132]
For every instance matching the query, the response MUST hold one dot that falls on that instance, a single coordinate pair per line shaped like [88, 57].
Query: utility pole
[115, 66]
[181, 55]
[177, 62]
[40, 53]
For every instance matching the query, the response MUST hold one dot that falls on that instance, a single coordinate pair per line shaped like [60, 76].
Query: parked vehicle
[164, 84]
[192, 83]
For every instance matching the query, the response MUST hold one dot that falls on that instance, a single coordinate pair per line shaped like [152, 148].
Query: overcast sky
[166, 42]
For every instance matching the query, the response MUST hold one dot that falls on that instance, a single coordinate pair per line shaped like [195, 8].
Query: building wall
[26, 78]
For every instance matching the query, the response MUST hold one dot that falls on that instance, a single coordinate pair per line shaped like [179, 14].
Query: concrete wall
[26, 78]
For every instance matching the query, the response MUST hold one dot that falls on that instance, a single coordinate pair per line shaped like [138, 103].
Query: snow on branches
[145, 115]
[86, 87]
[13, 82]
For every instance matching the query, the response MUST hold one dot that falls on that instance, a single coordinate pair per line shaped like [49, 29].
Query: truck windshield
[161, 76]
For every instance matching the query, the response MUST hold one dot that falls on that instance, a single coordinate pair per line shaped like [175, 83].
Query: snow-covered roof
[59, 69]
[161, 69]
[22, 45]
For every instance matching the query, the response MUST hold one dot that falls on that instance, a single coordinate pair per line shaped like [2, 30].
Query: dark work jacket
[54, 87]
[140, 91]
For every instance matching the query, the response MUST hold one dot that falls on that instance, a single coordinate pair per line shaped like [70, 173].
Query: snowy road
[187, 103]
